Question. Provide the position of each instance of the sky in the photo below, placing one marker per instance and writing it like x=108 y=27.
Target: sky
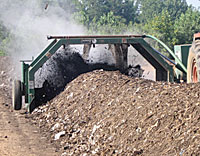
x=195 y=3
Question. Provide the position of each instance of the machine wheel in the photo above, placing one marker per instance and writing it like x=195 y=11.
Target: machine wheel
x=193 y=65
x=17 y=95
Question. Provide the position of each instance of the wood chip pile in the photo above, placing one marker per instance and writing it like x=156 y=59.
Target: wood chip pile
x=108 y=113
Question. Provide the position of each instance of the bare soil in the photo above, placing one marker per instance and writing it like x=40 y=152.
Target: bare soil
x=18 y=137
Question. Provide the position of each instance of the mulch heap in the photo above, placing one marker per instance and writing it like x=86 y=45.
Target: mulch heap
x=108 y=113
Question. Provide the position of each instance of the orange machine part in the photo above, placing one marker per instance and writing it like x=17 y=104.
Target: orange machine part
x=197 y=36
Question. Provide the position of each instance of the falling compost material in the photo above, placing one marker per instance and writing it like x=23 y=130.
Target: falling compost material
x=64 y=66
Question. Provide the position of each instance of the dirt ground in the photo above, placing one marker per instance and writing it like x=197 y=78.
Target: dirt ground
x=18 y=137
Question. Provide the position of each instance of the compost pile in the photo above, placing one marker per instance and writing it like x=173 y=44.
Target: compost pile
x=108 y=113
x=64 y=66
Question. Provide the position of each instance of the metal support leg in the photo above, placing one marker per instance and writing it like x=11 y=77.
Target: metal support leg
x=120 y=51
x=86 y=51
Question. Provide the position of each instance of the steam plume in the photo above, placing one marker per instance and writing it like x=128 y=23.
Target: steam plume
x=29 y=23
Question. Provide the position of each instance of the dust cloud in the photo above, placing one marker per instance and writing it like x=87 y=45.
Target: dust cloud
x=30 y=21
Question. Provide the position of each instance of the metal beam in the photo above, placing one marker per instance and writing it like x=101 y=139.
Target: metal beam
x=43 y=52
x=164 y=71
x=95 y=36
x=179 y=65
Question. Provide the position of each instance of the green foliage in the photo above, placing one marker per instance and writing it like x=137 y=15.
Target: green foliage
x=88 y=10
x=160 y=26
x=108 y=24
x=151 y=8
x=186 y=26
x=175 y=7
x=158 y=18
x=155 y=17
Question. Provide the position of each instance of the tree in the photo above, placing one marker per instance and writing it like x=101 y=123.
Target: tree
x=160 y=26
x=151 y=8
x=175 y=7
x=88 y=10
x=108 y=24
x=186 y=26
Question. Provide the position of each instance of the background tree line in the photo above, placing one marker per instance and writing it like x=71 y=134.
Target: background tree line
x=172 y=21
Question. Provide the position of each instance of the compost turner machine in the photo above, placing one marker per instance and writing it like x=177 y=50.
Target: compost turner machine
x=183 y=67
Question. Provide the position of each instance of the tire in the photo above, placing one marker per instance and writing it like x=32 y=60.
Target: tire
x=17 y=95
x=193 y=65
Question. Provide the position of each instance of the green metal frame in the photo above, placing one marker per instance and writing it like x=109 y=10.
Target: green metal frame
x=138 y=42
x=180 y=64
x=182 y=52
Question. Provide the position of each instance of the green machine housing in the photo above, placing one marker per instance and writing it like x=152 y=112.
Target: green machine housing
x=182 y=52
x=164 y=70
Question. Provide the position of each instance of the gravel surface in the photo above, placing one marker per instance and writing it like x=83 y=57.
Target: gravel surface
x=108 y=113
